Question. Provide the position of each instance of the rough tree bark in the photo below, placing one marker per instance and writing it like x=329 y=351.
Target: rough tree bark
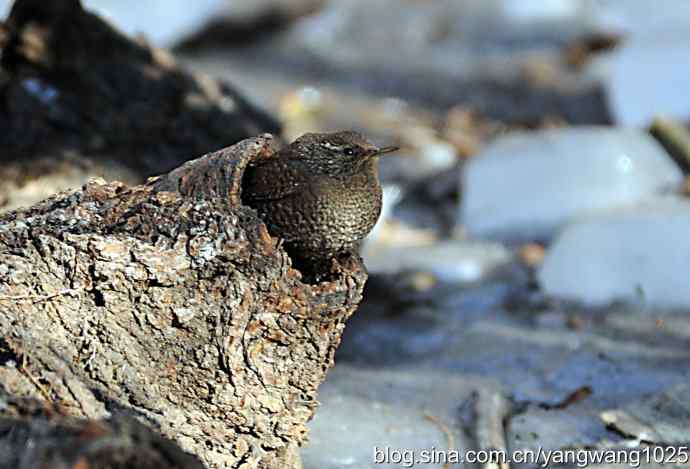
x=170 y=302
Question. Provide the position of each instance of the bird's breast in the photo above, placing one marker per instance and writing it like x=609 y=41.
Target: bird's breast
x=325 y=215
x=342 y=212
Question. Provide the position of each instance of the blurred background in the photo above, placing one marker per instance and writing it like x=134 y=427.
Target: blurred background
x=529 y=283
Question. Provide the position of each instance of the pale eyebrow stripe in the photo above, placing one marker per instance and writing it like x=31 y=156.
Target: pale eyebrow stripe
x=331 y=146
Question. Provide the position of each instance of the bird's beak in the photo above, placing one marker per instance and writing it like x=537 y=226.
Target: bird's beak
x=384 y=150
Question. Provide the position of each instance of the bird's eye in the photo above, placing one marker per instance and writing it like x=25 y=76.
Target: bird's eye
x=349 y=151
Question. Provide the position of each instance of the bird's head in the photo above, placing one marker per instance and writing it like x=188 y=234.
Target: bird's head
x=336 y=154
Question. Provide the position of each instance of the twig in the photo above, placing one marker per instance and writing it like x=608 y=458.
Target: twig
x=25 y=371
x=449 y=435
x=675 y=138
x=492 y=408
x=38 y=298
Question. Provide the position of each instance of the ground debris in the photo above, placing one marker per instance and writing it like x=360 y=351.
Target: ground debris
x=661 y=418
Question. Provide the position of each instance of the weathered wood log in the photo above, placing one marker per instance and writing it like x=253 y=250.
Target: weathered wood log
x=171 y=303
x=70 y=83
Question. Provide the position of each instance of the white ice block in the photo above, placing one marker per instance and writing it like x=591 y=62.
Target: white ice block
x=526 y=186
x=638 y=254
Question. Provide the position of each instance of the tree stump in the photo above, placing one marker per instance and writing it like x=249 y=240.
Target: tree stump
x=169 y=302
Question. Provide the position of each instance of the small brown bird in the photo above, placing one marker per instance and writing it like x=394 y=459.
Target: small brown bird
x=321 y=195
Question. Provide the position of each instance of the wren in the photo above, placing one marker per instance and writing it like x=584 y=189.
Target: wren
x=321 y=195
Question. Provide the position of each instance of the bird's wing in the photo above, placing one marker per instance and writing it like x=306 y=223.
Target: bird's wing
x=273 y=180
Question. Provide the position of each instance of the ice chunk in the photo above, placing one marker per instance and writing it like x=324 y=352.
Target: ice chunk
x=449 y=261
x=636 y=254
x=646 y=77
x=525 y=186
